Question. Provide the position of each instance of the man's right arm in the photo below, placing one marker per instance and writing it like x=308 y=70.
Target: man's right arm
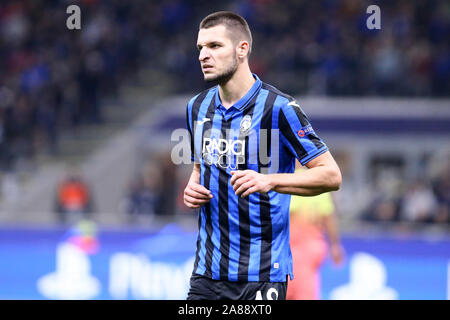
x=196 y=195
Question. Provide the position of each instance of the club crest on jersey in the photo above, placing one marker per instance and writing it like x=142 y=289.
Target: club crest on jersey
x=246 y=123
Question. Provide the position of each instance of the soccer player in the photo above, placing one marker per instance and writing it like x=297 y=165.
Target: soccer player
x=311 y=218
x=245 y=137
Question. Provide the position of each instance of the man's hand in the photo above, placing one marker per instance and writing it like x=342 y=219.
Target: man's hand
x=196 y=195
x=337 y=254
x=248 y=181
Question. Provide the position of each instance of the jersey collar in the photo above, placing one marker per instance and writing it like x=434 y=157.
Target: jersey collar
x=243 y=102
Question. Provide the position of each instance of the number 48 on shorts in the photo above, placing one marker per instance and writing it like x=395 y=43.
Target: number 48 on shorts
x=204 y=288
x=271 y=294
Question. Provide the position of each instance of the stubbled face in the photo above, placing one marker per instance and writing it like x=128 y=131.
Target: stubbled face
x=217 y=54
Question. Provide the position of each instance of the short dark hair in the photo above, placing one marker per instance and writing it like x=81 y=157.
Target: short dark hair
x=236 y=24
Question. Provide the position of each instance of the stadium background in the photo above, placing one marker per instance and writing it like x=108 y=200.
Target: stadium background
x=102 y=102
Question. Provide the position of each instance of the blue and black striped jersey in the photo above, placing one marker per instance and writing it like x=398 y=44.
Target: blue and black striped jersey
x=247 y=239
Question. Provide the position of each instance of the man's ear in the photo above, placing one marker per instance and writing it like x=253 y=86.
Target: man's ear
x=242 y=49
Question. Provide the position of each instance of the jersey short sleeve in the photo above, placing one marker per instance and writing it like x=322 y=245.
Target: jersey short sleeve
x=189 y=129
x=297 y=133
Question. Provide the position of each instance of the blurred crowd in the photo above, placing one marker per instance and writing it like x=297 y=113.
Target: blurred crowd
x=325 y=47
x=155 y=189
x=424 y=199
x=53 y=78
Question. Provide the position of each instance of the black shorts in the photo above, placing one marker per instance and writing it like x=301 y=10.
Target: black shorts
x=204 y=288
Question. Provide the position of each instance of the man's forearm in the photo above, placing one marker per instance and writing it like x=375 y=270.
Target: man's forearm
x=195 y=175
x=307 y=183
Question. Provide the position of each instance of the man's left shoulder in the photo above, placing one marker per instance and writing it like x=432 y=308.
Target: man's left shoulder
x=281 y=96
x=282 y=100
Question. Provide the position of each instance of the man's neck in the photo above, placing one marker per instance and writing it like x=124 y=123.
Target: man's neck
x=232 y=91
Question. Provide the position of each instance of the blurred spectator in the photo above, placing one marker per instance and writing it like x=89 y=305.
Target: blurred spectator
x=383 y=209
x=140 y=200
x=73 y=199
x=154 y=190
x=142 y=197
x=310 y=219
x=418 y=203
x=386 y=192
x=441 y=188
x=168 y=186
x=414 y=201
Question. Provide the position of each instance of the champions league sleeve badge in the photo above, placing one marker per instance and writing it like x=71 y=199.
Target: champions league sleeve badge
x=246 y=123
